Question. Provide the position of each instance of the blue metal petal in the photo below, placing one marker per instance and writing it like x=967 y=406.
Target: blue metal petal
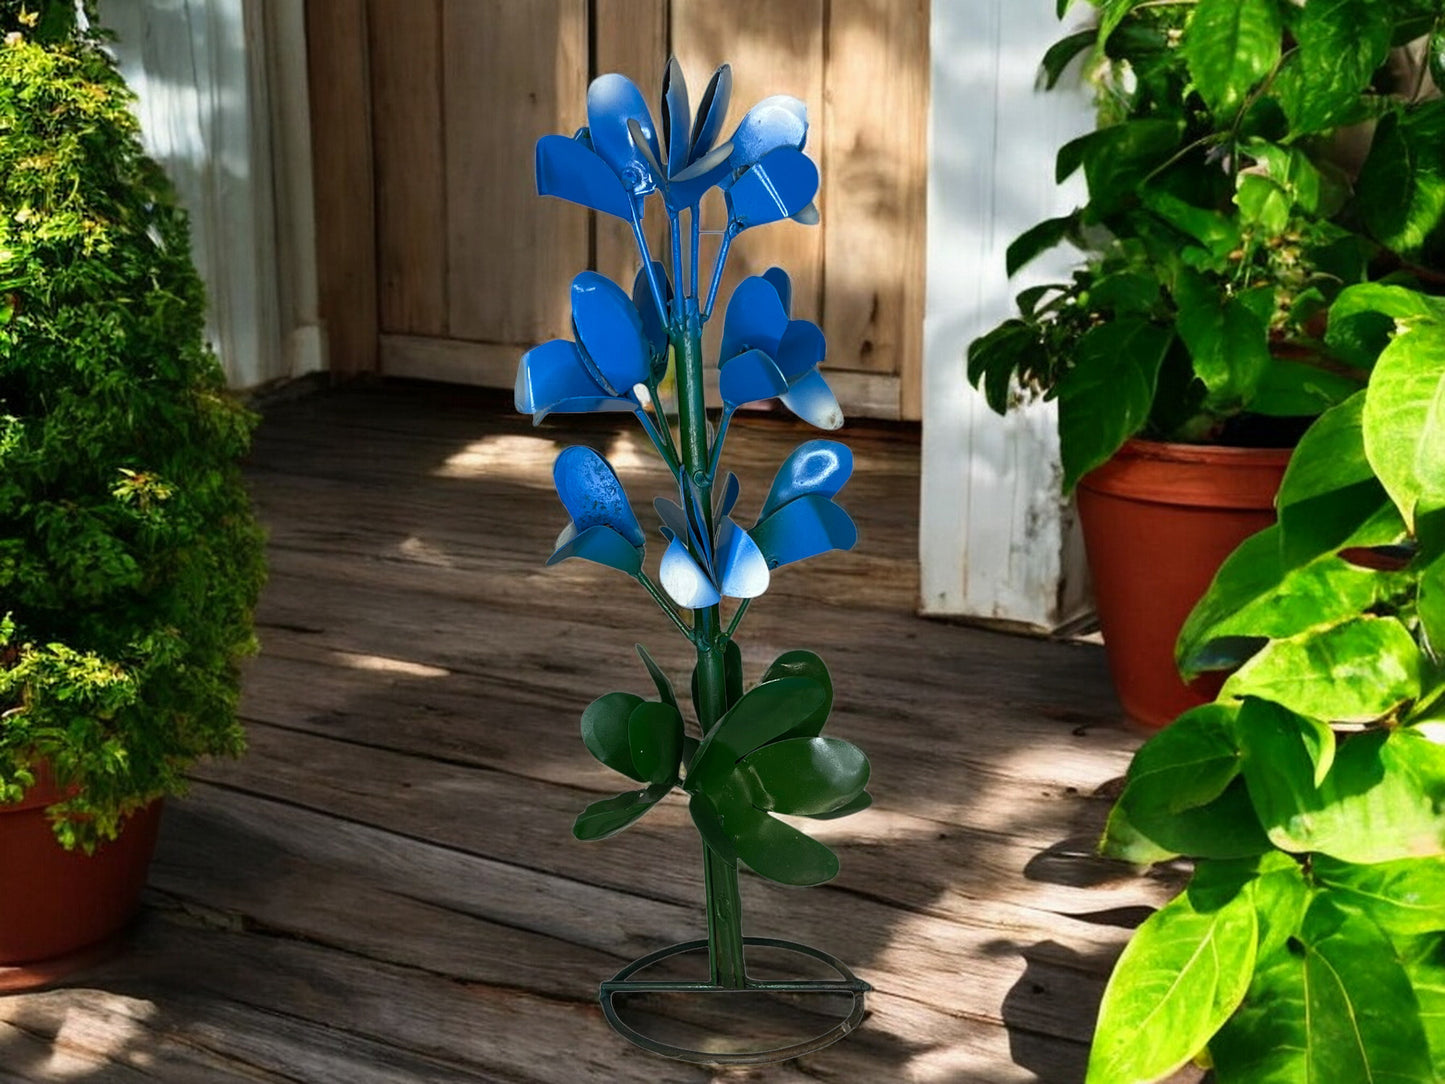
x=688 y=187
x=742 y=570
x=700 y=536
x=726 y=495
x=586 y=405
x=820 y=467
x=804 y=528
x=550 y=373
x=686 y=583
x=749 y=377
x=674 y=520
x=676 y=117
x=801 y=348
x=711 y=112
x=569 y=170
x=609 y=330
x=779 y=121
x=783 y=284
x=647 y=148
x=755 y=319
x=600 y=544
x=613 y=100
x=810 y=398
x=653 y=325
x=781 y=184
x=591 y=493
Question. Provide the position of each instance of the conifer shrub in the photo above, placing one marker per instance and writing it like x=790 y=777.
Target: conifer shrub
x=129 y=559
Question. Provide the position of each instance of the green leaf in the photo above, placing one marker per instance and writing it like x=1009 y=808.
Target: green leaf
x=805 y=776
x=1401 y=187
x=1297 y=389
x=1225 y=828
x=1036 y=239
x=764 y=713
x=1404 y=418
x=1227 y=343
x=1333 y=1005
x=1229 y=46
x=605 y=732
x=1430 y=605
x=732 y=678
x=1063 y=51
x=1187 y=764
x=1383 y=799
x=1406 y=896
x=805 y=664
x=995 y=357
x=1116 y=160
x=1111 y=14
x=1424 y=960
x=1341 y=44
x=609 y=816
x=654 y=734
x=1355 y=671
x=1215 y=231
x=771 y=848
x=1263 y=202
x=1180 y=977
x=1105 y=398
x=708 y=821
x=659 y=678
x=857 y=805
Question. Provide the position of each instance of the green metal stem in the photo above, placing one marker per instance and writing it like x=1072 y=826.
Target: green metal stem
x=724 y=902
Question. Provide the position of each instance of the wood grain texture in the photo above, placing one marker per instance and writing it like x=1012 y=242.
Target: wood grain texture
x=385 y=888
x=511 y=74
x=875 y=129
x=409 y=142
x=341 y=149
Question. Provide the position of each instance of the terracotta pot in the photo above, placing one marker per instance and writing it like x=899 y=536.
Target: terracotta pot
x=58 y=908
x=1159 y=520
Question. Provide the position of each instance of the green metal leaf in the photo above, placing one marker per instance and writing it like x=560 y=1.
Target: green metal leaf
x=773 y=849
x=1105 y=398
x=1403 y=427
x=1406 y=896
x=1180 y=977
x=805 y=664
x=732 y=677
x=805 y=776
x=1333 y=1004
x=1229 y=46
x=764 y=713
x=609 y=816
x=1355 y=671
x=708 y=821
x=605 y=732
x=1383 y=799
x=659 y=678
x=654 y=734
x=857 y=805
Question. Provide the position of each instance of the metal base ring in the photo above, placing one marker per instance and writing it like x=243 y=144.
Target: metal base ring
x=847 y=983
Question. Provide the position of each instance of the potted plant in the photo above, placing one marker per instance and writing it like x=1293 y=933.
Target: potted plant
x=748 y=753
x=1310 y=942
x=129 y=558
x=1252 y=160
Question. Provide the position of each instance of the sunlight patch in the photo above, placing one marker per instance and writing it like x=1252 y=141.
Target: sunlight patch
x=505 y=455
x=386 y=665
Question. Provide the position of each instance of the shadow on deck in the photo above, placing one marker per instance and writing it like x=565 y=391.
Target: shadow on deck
x=386 y=888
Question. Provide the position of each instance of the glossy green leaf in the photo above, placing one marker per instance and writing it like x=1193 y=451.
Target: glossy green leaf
x=1355 y=671
x=1225 y=828
x=805 y=664
x=659 y=678
x=773 y=849
x=1263 y=202
x=605 y=732
x=1217 y=232
x=609 y=816
x=1227 y=343
x=1118 y=158
x=732 y=678
x=1293 y=389
x=1062 y=52
x=857 y=805
x=1340 y=44
x=1383 y=799
x=1187 y=764
x=1424 y=961
x=1105 y=398
x=1335 y=1004
x=1404 y=418
x=1282 y=895
x=708 y=821
x=1037 y=239
x=1401 y=186
x=805 y=776
x=764 y=713
x=654 y=735
x=1229 y=46
x=1180 y=977
x=1430 y=606
x=994 y=358
x=1111 y=14
x=690 y=746
x=1406 y=896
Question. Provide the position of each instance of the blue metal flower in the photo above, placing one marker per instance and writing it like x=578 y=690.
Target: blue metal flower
x=603 y=528
x=613 y=353
x=764 y=353
x=700 y=566
x=799 y=519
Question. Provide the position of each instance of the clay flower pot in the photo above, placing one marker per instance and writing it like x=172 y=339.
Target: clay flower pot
x=1159 y=519
x=59 y=908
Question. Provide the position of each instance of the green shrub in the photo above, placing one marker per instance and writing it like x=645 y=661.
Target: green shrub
x=129 y=559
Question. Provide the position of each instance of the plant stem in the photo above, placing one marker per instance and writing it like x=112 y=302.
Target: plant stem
x=717 y=271
x=720 y=876
x=664 y=605
x=737 y=618
x=663 y=449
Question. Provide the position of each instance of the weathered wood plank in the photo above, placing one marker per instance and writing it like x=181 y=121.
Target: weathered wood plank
x=411 y=198
x=512 y=73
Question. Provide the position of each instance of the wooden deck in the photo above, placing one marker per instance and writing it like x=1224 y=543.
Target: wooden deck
x=386 y=889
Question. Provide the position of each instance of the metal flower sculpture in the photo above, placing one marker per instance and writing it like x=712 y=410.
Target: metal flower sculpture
x=758 y=752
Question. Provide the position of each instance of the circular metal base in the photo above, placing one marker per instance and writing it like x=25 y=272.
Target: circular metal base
x=847 y=983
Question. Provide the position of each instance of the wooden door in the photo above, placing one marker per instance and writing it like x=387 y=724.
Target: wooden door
x=437 y=259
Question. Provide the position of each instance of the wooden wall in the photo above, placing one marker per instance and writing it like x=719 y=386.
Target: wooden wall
x=438 y=260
